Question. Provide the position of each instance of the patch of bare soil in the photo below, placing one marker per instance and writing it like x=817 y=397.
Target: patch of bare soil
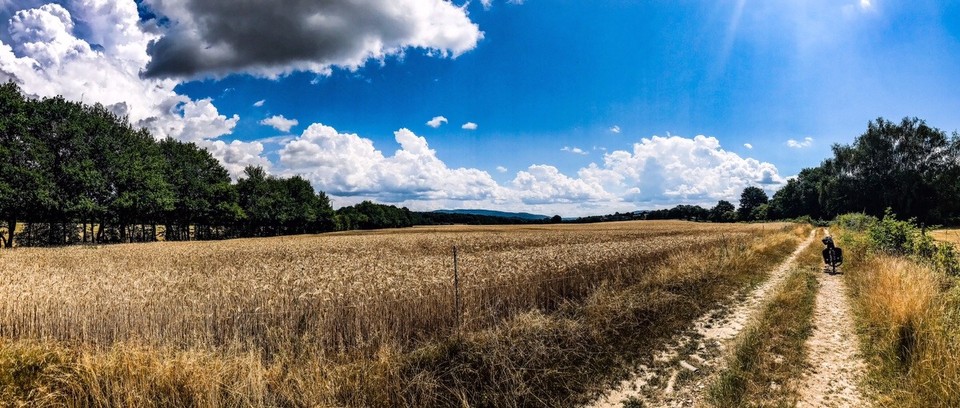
x=835 y=367
x=678 y=375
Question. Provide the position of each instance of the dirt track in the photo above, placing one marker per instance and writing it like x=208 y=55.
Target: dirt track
x=835 y=369
x=681 y=373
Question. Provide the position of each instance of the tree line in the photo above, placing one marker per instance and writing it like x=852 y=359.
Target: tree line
x=79 y=173
x=76 y=173
x=909 y=167
x=754 y=206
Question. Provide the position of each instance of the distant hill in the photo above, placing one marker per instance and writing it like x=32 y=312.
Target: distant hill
x=500 y=214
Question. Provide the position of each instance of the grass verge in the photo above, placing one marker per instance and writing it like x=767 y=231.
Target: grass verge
x=770 y=353
x=909 y=322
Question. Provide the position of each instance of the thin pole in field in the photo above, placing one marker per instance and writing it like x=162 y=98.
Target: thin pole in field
x=456 y=291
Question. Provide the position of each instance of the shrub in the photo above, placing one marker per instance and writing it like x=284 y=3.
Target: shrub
x=896 y=237
x=804 y=219
x=945 y=259
x=893 y=236
x=858 y=222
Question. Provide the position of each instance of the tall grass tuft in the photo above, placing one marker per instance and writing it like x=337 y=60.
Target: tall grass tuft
x=910 y=323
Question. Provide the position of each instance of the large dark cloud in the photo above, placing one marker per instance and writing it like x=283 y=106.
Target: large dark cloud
x=219 y=37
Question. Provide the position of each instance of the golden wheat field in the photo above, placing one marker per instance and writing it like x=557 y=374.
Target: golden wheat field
x=337 y=292
x=544 y=314
x=947 y=235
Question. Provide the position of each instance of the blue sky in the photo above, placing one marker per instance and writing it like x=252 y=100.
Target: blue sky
x=579 y=107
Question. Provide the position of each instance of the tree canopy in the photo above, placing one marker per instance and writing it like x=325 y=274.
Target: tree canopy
x=910 y=167
x=74 y=172
x=752 y=201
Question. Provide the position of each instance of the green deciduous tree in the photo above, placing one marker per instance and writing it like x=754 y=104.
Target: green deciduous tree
x=750 y=200
x=24 y=185
x=275 y=206
x=202 y=194
x=724 y=211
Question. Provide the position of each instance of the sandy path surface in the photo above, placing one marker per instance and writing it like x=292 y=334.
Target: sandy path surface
x=835 y=367
x=679 y=374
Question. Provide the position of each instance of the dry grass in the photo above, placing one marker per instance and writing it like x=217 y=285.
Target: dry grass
x=910 y=323
x=360 y=318
x=770 y=354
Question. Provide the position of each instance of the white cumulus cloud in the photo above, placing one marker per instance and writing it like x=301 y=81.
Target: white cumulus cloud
x=806 y=142
x=615 y=129
x=193 y=121
x=259 y=103
x=487 y=4
x=237 y=155
x=348 y=165
x=280 y=123
x=748 y=146
x=676 y=169
x=657 y=171
x=543 y=184
x=574 y=150
x=469 y=126
x=436 y=121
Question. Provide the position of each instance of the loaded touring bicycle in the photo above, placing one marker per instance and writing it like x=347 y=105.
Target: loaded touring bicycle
x=832 y=256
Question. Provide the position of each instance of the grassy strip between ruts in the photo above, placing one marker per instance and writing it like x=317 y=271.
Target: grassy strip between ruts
x=770 y=354
x=908 y=319
x=533 y=359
